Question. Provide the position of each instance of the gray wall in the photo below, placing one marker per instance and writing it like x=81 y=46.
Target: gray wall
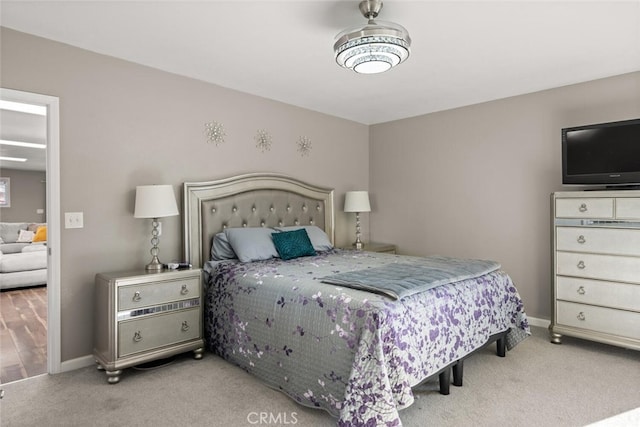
x=28 y=194
x=476 y=181
x=123 y=125
x=472 y=182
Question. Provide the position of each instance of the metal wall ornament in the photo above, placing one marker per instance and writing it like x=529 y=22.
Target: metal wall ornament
x=304 y=145
x=215 y=132
x=263 y=140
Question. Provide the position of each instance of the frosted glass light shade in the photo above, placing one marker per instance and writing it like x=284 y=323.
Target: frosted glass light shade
x=375 y=47
x=155 y=201
x=372 y=49
x=357 y=201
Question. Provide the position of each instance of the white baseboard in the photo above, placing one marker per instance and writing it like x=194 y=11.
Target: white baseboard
x=77 y=363
x=542 y=323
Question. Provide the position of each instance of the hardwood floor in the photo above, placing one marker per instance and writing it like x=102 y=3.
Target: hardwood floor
x=23 y=333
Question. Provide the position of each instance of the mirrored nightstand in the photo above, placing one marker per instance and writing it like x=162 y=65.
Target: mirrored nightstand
x=375 y=247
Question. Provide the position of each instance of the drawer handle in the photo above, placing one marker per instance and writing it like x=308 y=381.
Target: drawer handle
x=581 y=265
x=184 y=290
x=581 y=239
x=581 y=316
x=583 y=207
x=581 y=290
x=137 y=336
x=185 y=326
x=136 y=296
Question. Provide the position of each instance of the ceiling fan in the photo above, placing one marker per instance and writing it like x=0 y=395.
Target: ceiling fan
x=375 y=47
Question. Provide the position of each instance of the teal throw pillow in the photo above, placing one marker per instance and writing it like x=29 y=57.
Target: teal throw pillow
x=293 y=244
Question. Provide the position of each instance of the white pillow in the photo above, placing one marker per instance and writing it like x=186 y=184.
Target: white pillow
x=319 y=238
x=252 y=244
x=25 y=236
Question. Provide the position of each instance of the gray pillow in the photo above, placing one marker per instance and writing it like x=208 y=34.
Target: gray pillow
x=319 y=238
x=252 y=243
x=221 y=248
x=9 y=231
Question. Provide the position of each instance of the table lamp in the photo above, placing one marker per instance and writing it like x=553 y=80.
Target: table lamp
x=155 y=201
x=357 y=201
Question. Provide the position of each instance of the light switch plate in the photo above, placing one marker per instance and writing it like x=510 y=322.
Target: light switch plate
x=73 y=220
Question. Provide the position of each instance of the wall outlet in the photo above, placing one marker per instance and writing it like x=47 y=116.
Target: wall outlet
x=73 y=220
x=39 y=211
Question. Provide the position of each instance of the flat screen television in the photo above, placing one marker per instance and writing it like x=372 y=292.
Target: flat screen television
x=602 y=154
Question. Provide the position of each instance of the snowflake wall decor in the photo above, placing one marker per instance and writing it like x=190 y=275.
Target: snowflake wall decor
x=263 y=140
x=215 y=132
x=304 y=145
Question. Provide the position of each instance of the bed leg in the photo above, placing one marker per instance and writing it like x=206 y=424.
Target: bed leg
x=458 y=370
x=501 y=346
x=445 y=379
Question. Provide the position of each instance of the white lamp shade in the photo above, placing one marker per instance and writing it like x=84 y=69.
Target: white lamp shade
x=357 y=201
x=155 y=201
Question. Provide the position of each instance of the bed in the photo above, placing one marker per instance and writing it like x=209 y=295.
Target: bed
x=358 y=353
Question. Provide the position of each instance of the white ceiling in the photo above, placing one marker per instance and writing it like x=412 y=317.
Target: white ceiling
x=23 y=127
x=463 y=52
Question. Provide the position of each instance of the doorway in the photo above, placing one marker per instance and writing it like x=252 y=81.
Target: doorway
x=52 y=184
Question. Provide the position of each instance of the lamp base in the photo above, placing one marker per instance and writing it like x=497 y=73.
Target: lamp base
x=358 y=244
x=154 y=266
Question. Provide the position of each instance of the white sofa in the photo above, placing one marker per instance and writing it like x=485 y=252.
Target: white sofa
x=21 y=264
x=23 y=268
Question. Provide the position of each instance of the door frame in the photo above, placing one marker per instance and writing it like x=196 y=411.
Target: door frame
x=53 y=218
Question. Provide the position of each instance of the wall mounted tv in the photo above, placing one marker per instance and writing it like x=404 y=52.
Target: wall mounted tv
x=602 y=154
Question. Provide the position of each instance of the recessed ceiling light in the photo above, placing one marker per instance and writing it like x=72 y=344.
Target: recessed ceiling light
x=13 y=159
x=22 y=144
x=23 y=108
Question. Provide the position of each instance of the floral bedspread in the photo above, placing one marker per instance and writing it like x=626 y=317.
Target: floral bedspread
x=350 y=352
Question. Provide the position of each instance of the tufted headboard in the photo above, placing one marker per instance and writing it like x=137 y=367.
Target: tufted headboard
x=251 y=200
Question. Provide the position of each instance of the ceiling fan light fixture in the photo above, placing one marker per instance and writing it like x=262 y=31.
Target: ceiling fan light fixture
x=374 y=48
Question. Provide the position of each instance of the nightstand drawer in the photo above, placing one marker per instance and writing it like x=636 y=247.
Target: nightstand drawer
x=143 y=295
x=144 y=334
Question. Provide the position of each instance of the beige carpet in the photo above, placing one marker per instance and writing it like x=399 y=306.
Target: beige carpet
x=537 y=384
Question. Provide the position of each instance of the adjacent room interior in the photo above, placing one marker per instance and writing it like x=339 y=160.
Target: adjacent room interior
x=23 y=258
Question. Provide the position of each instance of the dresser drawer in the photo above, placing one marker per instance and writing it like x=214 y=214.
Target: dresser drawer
x=628 y=208
x=613 y=241
x=584 y=208
x=604 y=267
x=143 y=295
x=151 y=332
x=606 y=320
x=607 y=294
